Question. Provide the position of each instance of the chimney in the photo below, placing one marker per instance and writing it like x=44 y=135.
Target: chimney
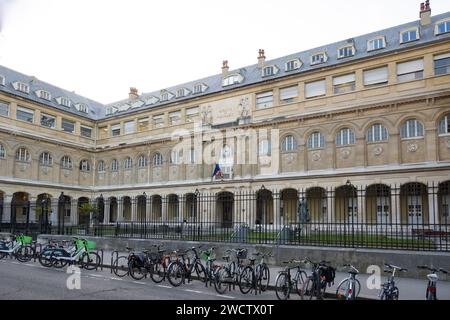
x=133 y=93
x=425 y=13
x=225 y=68
x=261 y=58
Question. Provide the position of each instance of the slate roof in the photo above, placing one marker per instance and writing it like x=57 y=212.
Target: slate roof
x=252 y=74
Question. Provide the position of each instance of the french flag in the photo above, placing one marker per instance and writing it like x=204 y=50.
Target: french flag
x=217 y=172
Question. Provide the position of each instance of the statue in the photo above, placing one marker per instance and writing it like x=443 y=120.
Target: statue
x=244 y=107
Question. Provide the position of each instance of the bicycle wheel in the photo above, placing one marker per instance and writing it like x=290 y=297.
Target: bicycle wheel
x=246 y=280
x=312 y=290
x=263 y=277
x=44 y=259
x=2 y=255
x=175 y=273
x=200 y=271
x=300 y=281
x=282 y=288
x=57 y=263
x=307 y=289
x=158 y=272
x=222 y=280
x=24 y=253
x=120 y=266
x=136 y=271
x=90 y=261
x=342 y=291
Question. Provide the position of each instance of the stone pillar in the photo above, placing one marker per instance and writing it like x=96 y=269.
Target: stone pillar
x=32 y=215
x=330 y=208
x=395 y=204
x=120 y=209
x=148 y=208
x=278 y=222
x=106 y=212
x=134 y=204
x=7 y=209
x=53 y=218
x=181 y=204
x=165 y=204
x=73 y=212
x=361 y=206
x=433 y=205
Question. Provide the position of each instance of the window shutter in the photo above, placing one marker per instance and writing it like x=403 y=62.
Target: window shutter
x=442 y=56
x=344 y=79
x=375 y=76
x=410 y=67
x=288 y=93
x=314 y=89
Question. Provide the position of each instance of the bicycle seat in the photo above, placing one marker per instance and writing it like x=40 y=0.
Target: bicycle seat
x=251 y=260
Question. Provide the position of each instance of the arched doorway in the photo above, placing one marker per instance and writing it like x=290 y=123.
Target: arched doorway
x=444 y=202
x=264 y=207
x=191 y=207
x=126 y=208
x=20 y=208
x=100 y=210
x=378 y=204
x=141 y=208
x=316 y=200
x=225 y=205
x=156 y=208
x=113 y=209
x=346 y=206
x=414 y=203
x=289 y=205
x=43 y=210
x=172 y=207
x=84 y=217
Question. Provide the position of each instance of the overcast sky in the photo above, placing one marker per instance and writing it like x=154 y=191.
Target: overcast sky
x=100 y=48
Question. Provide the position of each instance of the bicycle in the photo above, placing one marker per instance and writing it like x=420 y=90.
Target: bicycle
x=228 y=274
x=285 y=283
x=120 y=265
x=316 y=283
x=83 y=255
x=19 y=247
x=389 y=290
x=255 y=277
x=349 y=288
x=431 y=293
x=210 y=267
x=45 y=253
x=180 y=269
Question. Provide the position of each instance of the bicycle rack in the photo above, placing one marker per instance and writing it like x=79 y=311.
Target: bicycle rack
x=101 y=260
x=36 y=254
x=114 y=254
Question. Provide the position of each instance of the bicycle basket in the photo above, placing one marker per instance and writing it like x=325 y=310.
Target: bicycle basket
x=242 y=254
x=25 y=239
x=90 y=245
x=204 y=255
x=79 y=244
x=329 y=273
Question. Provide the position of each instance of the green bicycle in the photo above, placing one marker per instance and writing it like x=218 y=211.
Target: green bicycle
x=19 y=247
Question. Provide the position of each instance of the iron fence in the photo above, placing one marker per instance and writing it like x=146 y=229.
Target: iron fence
x=414 y=216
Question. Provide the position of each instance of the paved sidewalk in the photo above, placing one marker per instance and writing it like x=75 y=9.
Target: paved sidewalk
x=410 y=289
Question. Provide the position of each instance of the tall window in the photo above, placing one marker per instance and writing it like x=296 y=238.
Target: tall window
x=128 y=163
x=226 y=161
x=411 y=70
x=2 y=152
x=289 y=144
x=316 y=141
x=25 y=114
x=175 y=156
x=345 y=137
x=4 y=109
x=114 y=165
x=377 y=76
x=441 y=64
x=85 y=165
x=129 y=127
x=376 y=44
x=22 y=154
x=264 y=100
x=377 y=133
x=411 y=129
x=191 y=114
x=444 y=125
x=343 y=84
x=174 y=117
x=191 y=156
x=142 y=161
x=409 y=35
x=46 y=159
x=158 y=121
x=264 y=147
x=157 y=159
x=66 y=162
x=101 y=166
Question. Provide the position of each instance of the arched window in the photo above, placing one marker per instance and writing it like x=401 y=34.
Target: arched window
x=191 y=156
x=444 y=125
x=85 y=165
x=46 y=159
x=142 y=161
x=114 y=165
x=22 y=154
x=157 y=159
x=2 y=152
x=316 y=141
x=264 y=147
x=175 y=156
x=289 y=144
x=345 y=137
x=377 y=133
x=66 y=162
x=128 y=163
x=411 y=129
x=101 y=166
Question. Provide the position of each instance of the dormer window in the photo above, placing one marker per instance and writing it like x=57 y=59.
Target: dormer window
x=64 y=101
x=442 y=27
x=151 y=100
x=409 y=35
x=269 y=71
x=319 y=58
x=198 y=88
x=110 y=110
x=232 y=79
x=165 y=97
x=180 y=93
x=44 y=95
x=345 y=52
x=82 y=107
x=376 y=44
x=22 y=87
x=293 y=65
x=2 y=80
